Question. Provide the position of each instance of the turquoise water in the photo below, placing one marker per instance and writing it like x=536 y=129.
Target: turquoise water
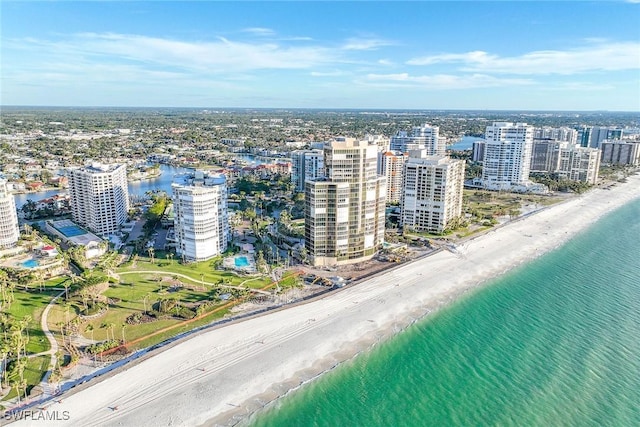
x=555 y=342
x=241 y=261
x=31 y=263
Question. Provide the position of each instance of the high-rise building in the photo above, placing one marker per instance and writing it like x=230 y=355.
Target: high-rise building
x=391 y=166
x=345 y=210
x=432 y=195
x=477 y=153
x=562 y=134
x=99 y=196
x=306 y=164
x=578 y=164
x=507 y=156
x=567 y=161
x=545 y=155
x=594 y=136
x=9 y=231
x=621 y=153
x=201 y=219
x=421 y=137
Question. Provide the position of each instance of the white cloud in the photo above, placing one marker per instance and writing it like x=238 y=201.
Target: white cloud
x=594 y=57
x=220 y=56
x=365 y=43
x=327 y=73
x=443 y=81
x=259 y=31
x=475 y=56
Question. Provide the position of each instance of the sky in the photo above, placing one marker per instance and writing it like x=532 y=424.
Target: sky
x=516 y=55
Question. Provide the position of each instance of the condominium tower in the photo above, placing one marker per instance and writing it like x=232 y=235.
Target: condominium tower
x=9 y=231
x=391 y=166
x=421 y=137
x=201 y=220
x=99 y=196
x=344 y=211
x=507 y=156
x=432 y=195
x=305 y=164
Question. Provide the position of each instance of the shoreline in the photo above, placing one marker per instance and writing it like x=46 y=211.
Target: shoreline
x=223 y=376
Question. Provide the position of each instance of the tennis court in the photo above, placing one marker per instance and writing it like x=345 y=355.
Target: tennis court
x=71 y=230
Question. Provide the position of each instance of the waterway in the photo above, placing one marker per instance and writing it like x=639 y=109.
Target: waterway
x=139 y=188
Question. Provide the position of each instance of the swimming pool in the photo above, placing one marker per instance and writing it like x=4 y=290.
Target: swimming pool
x=30 y=263
x=241 y=261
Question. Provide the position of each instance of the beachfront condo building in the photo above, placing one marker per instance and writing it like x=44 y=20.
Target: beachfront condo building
x=565 y=160
x=545 y=155
x=507 y=157
x=9 y=231
x=391 y=166
x=99 y=197
x=423 y=137
x=621 y=153
x=201 y=219
x=432 y=196
x=345 y=210
x=579 y=164
x=306 y=164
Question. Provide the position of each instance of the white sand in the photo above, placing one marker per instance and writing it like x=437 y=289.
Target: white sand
x=223 y=375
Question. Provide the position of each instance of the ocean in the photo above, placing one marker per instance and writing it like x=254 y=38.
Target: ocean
x=555 y=342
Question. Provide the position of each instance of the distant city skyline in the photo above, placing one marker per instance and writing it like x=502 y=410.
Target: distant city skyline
x=354 y=55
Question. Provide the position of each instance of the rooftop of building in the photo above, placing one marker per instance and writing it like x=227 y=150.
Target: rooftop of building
x=199 y=178
x=96 y=167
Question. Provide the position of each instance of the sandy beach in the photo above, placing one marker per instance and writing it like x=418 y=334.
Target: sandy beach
x=222 y=376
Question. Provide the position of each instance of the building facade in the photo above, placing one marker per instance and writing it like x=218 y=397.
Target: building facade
x=621 y=153
x=345 y=210
x=477 y=151
x=579 y=164
x=545 y=155
x=99 y=197
x=201 y=218
x=421 y=137
x=432 y=195
x=507 y=156
x=305 y=164
x=391 y=166
x=9 y=231
x=562 y=134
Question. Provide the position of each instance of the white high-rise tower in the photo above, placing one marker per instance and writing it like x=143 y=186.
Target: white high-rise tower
x=99 y=197
x=201 y=219
x=507 y=156
x=9 y=231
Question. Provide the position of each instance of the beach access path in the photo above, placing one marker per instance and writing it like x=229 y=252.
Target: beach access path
x=222 y=376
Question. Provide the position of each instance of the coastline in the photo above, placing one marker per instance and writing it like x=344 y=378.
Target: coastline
x=223 y=376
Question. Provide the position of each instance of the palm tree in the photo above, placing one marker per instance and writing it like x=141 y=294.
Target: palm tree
x=124 y=325
x=151 y=252
x=89 y=328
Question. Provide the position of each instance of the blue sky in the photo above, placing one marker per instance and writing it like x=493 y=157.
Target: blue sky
x=407 y=55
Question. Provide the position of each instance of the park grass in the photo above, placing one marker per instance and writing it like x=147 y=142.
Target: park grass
x=197 y=271
x=129 y=299
x=32 y=304
x=33 y=372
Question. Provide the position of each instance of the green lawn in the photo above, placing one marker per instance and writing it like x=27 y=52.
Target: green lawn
x=130 y=297
x=36 y=367
x=32 y=304
x=196 y=271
